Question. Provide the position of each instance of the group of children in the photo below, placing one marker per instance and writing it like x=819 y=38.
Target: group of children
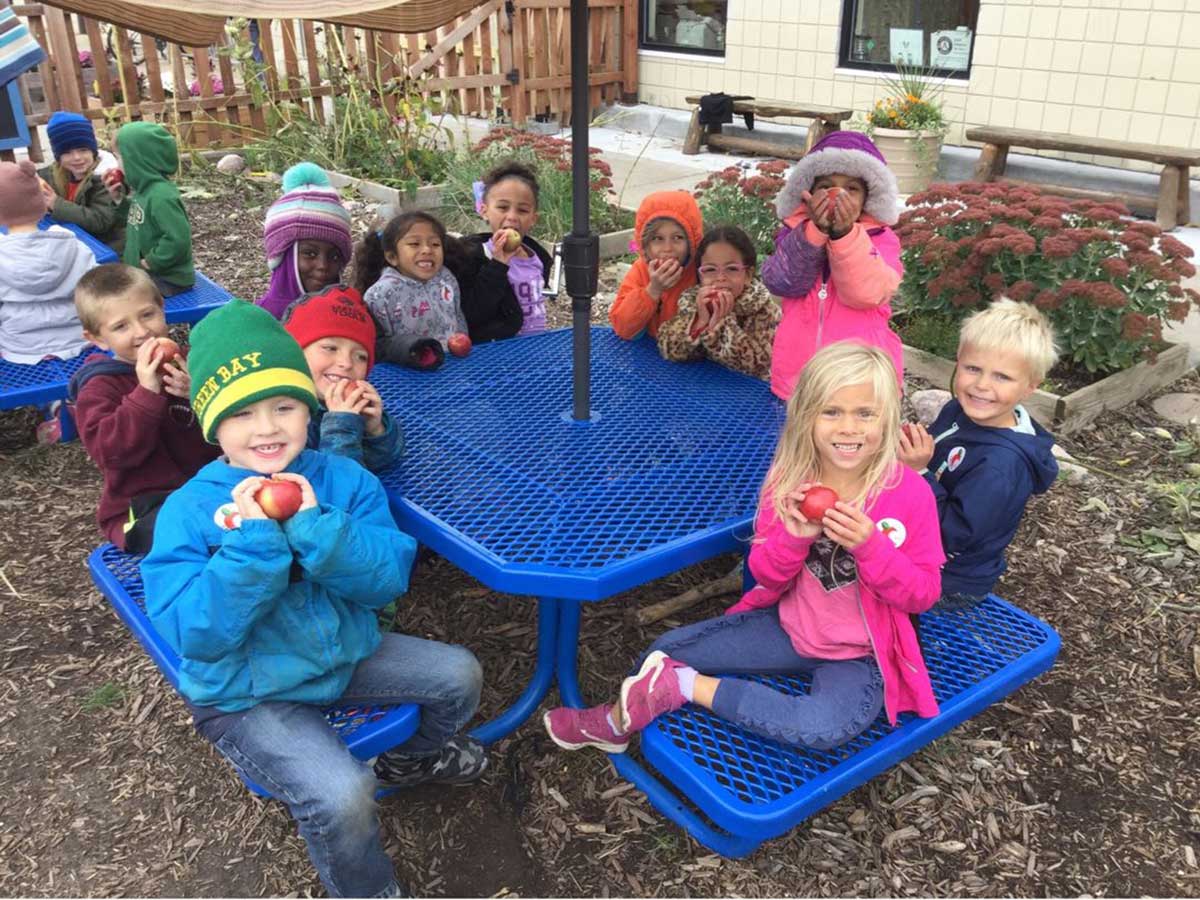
x=273 y=620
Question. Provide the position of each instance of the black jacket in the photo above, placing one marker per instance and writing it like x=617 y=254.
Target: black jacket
x=488 y=302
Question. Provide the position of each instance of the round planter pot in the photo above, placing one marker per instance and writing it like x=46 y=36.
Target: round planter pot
x=911 y=155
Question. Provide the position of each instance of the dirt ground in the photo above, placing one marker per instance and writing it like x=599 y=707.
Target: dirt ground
x=1084 y=782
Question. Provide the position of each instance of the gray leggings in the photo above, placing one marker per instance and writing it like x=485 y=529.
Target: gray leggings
x=845 y=697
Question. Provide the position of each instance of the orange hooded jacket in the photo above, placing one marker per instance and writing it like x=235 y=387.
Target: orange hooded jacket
x=635 y=311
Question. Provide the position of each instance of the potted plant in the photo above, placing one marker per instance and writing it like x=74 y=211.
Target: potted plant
x=1107 y=282
x=908 y=126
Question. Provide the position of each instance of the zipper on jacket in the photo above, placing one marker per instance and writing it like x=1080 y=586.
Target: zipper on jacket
x=822 y=293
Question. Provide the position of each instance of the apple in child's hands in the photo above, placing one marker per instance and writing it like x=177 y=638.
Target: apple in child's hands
x=170 y=351
x=817 y=501
x=279 y=499
x=114 y=177
x=459 y=344
x=426 y=357
x=512 y=240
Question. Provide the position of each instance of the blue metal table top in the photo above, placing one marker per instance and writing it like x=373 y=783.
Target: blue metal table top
x=101 y=250
x=501 y=481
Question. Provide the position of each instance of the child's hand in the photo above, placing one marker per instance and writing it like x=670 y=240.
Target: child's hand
x=722 y=305
x=499 y=251
x=372 y=413
x=916 y=446
x=176 y=379
x=818 y=209
x=664 y=274
x=48 y=194
x=114 y=181
x=308 y=499
x=793 y=520
x=703 y=313
x=842 y=215
x=149 y=355
x=848 y=525
x=243 y=497
x=341 y=398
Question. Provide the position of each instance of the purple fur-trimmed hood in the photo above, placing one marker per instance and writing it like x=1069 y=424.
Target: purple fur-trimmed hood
x=844 y=153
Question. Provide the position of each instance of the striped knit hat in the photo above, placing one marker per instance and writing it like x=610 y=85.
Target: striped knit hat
x=310 y=209
x=69 y=131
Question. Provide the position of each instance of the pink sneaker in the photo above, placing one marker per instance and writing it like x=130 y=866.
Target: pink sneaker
x=574 y=729
x=654 y=690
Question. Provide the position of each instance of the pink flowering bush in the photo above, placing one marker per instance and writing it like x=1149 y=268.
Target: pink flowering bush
x=550 y=158
x=744 y=197
x=1107 y=282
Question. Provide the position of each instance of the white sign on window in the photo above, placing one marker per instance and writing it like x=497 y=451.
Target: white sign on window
x=907 y=46
x=950 y=49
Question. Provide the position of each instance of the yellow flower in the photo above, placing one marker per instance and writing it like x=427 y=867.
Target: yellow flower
x=913 y=99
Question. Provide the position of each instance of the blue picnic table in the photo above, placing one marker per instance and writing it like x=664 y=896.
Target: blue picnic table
x=500 y=480
x=101 y=250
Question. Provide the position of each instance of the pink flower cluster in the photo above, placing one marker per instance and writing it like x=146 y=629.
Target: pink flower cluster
x=763 y=184
x=549 y=151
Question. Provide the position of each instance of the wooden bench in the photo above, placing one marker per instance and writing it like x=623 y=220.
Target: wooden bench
x=1172 y=207
x=824 y=120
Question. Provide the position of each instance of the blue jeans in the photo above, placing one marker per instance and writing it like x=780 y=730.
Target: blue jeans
x=290 y=750
x=845 y=697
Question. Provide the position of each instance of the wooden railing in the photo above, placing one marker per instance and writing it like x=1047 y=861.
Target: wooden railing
x=507 y=59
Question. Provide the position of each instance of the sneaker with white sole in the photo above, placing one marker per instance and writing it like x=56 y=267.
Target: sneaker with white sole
x=574 y=729
x=653 y=691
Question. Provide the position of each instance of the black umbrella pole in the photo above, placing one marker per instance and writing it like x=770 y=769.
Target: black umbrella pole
x=581 y=248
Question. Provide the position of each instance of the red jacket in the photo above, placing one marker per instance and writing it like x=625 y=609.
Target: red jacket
x=141 y=441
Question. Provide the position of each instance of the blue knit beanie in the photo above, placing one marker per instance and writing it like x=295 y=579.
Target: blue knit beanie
x=69 y=131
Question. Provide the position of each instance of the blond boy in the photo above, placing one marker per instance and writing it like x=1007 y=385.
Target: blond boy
x=986 y=455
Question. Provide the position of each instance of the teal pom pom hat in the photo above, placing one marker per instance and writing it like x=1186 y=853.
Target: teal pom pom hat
x=310 y=209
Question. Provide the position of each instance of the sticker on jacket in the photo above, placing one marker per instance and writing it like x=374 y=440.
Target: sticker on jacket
x=893 y=530
x=831 y=564
x=227 y=517
x=955 y=457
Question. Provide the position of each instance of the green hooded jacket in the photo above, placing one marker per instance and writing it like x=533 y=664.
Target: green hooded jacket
x=158 y=230
x=93 y=208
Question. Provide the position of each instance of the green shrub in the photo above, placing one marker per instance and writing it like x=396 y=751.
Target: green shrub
x=745 y=198
x=550 y=159
x=1107 y=283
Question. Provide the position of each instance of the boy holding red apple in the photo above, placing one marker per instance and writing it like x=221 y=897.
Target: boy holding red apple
x=131 y=408
x=274 y=618
x=337 y=334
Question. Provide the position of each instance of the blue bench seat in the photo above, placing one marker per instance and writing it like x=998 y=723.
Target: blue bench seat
x=367 y=730
x=753 y=789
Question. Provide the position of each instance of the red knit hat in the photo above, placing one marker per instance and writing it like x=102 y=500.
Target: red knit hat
x=335 y=311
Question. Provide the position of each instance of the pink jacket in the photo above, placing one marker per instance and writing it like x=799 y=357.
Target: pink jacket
x=899 y=573
x=832 y=291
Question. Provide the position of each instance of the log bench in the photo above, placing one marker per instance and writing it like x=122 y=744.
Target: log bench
x=1170 y=208
x=824 y=120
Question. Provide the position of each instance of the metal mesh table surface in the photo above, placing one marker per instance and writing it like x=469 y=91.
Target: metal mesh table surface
x=498 y=477
x=45 y=382
x=367 y=730
x=101 y=250
x=754 y=786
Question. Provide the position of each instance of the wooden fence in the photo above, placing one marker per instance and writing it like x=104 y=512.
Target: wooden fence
x=507 y=59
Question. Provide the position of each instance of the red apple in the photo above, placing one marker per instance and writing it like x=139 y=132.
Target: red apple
x=817 y=502
x=114 y=177
x=279 y=499
x=170 y=350
x=459 y=344
x=426 y=357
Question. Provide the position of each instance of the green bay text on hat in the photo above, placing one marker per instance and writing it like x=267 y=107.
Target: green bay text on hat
x=240 y=354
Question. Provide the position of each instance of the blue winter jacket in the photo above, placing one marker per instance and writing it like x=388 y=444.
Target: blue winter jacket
x=263 y=610
x=981 y=478
x=343 y=433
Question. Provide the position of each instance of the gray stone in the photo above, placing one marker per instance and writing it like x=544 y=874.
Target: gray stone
x=1178 y=408
x=928 y=403
x=231 y=164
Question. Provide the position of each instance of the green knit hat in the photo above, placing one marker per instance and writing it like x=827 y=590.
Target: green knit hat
x=240 y=354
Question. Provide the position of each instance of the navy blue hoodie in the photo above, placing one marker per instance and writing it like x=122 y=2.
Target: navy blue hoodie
x=981 y=478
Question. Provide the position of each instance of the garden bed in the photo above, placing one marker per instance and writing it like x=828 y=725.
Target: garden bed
x=1066 y=413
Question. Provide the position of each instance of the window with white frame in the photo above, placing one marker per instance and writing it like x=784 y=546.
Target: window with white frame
x=685 y=26
x=929 y=34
